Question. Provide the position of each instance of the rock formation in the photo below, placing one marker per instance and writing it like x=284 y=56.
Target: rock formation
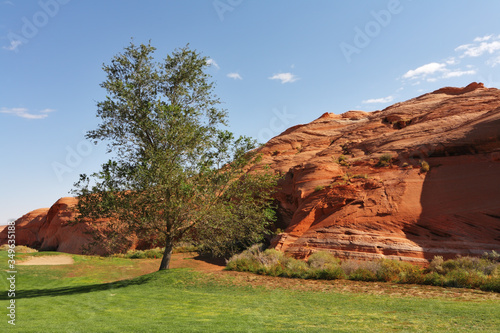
x=357 y=184
x=341 y=194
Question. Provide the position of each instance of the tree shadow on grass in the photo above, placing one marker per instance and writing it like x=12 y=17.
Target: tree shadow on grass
x=216 y=261
x=32 y=293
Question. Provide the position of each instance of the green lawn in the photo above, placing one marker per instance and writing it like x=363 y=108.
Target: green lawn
x=80 y=298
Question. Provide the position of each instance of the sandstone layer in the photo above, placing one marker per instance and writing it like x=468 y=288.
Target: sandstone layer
x=356 y=207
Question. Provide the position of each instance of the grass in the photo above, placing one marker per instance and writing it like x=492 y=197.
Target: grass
x=81 y=298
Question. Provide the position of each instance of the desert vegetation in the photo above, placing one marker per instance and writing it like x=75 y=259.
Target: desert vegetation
x=465 y=272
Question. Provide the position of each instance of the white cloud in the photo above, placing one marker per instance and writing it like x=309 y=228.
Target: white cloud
x=284 y=77
x=483 y=39
x=493 y=61
x=457 y=73
x=235 y=76
x=424 y=70
x=13 y=45
x=451 y=61
x=379 y=100
x=23 y=113
x=473 y=50
x=211 y=62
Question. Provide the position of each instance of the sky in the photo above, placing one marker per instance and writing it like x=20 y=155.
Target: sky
x=275 y=64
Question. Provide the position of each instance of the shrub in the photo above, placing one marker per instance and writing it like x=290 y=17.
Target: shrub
x=18 y=248
x=329 y=273
x=399 y=271
x=363 y=274
x=491 y=284
x=493 y=256
x=296 y=269
x=322 y=260
x=319 y=188
x=424 y=166
x=342 y=160
x=384 y=160
x=462 y=278
x=350 y=266
x=436 y=265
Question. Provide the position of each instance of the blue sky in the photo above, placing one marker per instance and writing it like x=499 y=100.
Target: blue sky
x=276 y=64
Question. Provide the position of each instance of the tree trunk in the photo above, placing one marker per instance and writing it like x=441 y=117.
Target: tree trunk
x=167 y=254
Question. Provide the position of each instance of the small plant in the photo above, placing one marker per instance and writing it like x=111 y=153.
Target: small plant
x=319 y=188
x=322 y=260
x=342 y=160
x=493 y=256
x=363 y=176
x=424 y=166
x=18 y=249
x=299 y=149
x=345 y=148
x=384 y=160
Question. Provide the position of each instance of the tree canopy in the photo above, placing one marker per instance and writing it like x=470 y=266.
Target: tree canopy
x=175 y=173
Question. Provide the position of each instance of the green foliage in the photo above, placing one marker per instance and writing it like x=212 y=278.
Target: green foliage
x=322 y=260
x=342 y=160
x=176 y=175
x=319 y=188
x=424 y=166
x=384 y=160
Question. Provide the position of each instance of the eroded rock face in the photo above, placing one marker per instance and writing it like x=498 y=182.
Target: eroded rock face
x=359 y=209
x=49 y=229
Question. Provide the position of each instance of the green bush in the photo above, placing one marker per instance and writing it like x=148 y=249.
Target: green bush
x=398 y=271
x=322 y=260
x=319 y=188
x=363 y=274
x=342 y=160
x=331 y=272
x=384 y=160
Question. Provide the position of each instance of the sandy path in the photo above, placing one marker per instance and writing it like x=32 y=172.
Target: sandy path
x=48 y=260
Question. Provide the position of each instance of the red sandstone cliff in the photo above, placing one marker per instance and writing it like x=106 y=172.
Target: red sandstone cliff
x=356 y=209
x=361 y=210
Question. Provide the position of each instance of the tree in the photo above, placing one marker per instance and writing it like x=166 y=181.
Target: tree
x=175 y=174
